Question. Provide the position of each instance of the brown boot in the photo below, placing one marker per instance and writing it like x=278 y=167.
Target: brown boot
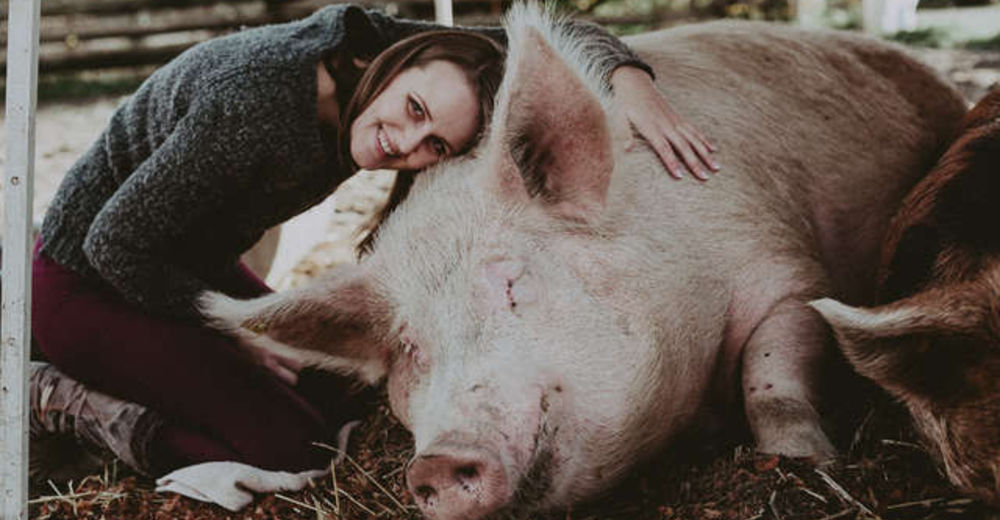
x=64 y=412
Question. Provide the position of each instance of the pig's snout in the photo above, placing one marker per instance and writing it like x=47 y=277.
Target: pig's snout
x=458 y=482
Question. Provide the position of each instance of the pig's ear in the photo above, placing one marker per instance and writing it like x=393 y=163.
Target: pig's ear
x=953 y=207
x=337 y=323
x=917 y=346
x=552 y=142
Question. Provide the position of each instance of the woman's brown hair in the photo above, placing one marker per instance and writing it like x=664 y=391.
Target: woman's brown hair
x=479 y=57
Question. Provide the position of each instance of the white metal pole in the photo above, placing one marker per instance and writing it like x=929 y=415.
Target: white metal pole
x=15 y=331
x=872 y=16
x=809 y=13
x=443 y=13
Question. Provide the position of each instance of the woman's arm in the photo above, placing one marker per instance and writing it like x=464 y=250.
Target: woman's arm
x=680 y=145
x=186 y=183
x=608 y=51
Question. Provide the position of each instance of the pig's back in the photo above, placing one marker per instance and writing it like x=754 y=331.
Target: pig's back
x=820 y=135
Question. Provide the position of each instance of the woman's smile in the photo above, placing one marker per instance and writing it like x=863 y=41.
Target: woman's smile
x=425 y=114
x=384 y=144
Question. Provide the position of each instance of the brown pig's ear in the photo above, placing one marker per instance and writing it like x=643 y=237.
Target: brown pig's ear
x=338 y=323
x=919 y=346
x=951 y=213
x=552 y=142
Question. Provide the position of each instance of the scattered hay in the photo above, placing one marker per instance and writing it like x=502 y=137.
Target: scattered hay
x=885 y=475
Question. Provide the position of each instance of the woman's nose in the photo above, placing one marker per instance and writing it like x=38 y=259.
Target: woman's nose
x=411 y=139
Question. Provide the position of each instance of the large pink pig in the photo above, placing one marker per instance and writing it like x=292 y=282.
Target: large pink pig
x=553 y=307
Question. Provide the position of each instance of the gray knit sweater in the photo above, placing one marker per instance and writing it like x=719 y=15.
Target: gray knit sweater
x=212 y=150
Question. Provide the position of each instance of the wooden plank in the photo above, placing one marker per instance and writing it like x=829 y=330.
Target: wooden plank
x=139 y=55
x=85 y=56
x=74 y=29
x=129 y=57
x=215 y=22
x=87 y=26
x=57 y=7
x=53 y=7
x=15 y=330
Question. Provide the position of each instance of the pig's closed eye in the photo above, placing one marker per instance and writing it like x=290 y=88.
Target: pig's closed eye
x=508 y=287
x=521 y=294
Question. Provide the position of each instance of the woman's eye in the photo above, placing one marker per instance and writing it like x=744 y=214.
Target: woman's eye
x=416 y=108
x=439 y=147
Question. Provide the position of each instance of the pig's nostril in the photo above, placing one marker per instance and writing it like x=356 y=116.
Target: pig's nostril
x=426 y=494
x=457 y=482
x=466 y=474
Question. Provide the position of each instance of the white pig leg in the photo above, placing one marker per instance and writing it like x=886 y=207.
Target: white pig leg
x=781 y=363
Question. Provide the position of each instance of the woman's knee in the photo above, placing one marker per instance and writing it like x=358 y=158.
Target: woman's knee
x=292 y=449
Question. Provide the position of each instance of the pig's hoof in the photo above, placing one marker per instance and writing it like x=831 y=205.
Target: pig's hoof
x=813 y=447
x=791 y=428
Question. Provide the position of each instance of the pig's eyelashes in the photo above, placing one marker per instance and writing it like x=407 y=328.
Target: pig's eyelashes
x=411 y=350
x=408 y=347
x=414 y=355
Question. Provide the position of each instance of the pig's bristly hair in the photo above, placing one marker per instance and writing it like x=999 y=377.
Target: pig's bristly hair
x=450 y=200
x=567 y=39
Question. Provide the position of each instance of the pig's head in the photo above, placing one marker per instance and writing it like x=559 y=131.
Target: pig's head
x=938 y=351
x=490 y=304
x=937 y=346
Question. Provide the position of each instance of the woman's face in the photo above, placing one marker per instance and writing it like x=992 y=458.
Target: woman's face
x=425 y=114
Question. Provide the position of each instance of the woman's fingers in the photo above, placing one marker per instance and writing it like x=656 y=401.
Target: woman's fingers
x=669 y=159
x=283 y=372
x=285 y=367
x=701 y=148
x=683 y=147
x=701 y=138
x=680 y=146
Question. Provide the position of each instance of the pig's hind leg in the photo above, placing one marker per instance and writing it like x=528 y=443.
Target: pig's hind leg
x=781 y=366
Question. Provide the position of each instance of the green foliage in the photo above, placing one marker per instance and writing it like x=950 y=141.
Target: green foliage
x=991 y=44
x=50 y=89
x=936 y=4
x=753 y=9
x=843 y=14
x=931 y=37
x=744 y=9
x=686 y=10
x=62 y=87
x=635 y=28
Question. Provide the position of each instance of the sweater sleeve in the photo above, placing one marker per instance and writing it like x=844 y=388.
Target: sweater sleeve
x=609 y=51
x=186 y=180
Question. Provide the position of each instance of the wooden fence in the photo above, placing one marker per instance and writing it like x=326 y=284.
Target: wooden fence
x=94 y=34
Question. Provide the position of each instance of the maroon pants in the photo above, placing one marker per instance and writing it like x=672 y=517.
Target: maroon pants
x=218 y=404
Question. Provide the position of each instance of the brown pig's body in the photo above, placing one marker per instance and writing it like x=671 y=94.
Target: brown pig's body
x=935 y=343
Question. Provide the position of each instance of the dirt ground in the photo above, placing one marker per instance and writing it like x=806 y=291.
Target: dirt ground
x=884 y=473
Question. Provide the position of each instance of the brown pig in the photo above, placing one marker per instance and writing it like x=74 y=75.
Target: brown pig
x=553 y=307
x=936 y=346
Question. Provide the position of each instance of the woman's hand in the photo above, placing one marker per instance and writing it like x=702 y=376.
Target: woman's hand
x=668 y=133
x=286 y=368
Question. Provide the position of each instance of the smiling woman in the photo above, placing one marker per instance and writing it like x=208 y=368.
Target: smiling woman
x=422 y=114
x=234 y=136
x=401 y=131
